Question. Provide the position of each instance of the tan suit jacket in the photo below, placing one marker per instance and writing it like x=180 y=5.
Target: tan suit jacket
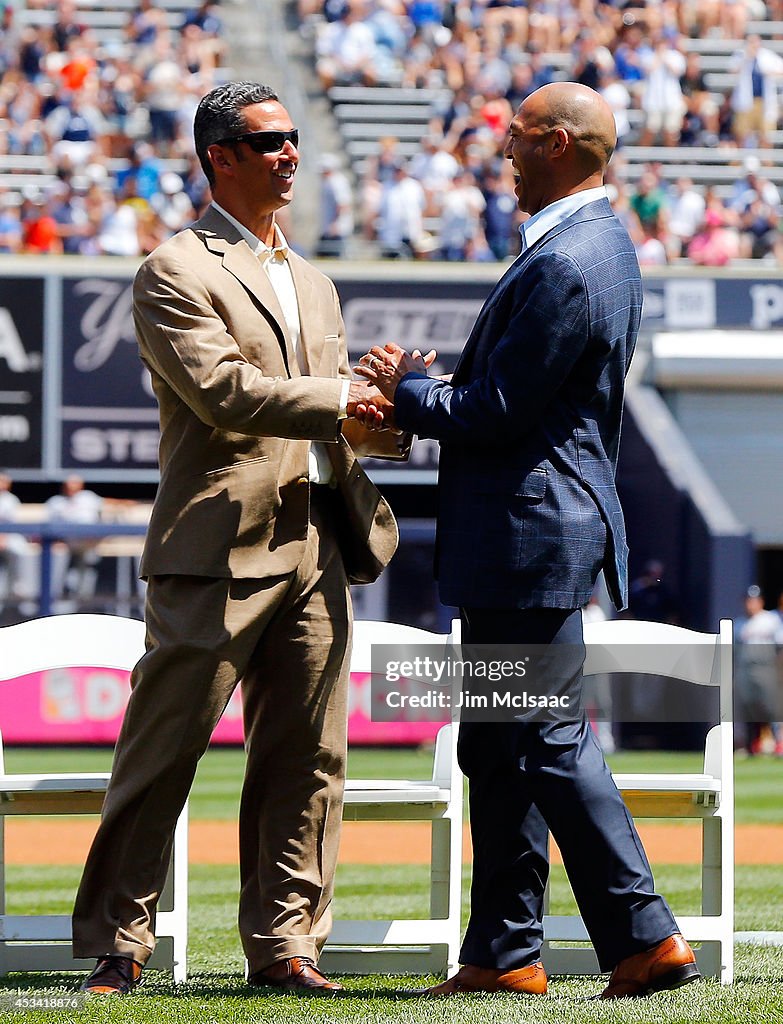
x=237 y=416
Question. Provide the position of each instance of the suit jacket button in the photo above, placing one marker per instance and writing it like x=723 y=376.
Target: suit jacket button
x=303 y=480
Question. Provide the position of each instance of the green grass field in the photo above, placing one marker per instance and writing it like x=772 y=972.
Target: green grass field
x=215 y=991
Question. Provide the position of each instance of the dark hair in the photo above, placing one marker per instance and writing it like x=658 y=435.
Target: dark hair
x=220 y=115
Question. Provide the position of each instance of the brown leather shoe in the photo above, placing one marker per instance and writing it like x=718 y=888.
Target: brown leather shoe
x=299 y=974
x=670 y=964
x=113 y=976
x=523 y=981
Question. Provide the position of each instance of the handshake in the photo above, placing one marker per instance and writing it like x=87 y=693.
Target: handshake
x=372 y=403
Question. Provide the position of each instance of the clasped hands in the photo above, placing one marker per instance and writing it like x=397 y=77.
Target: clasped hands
x=372 y=403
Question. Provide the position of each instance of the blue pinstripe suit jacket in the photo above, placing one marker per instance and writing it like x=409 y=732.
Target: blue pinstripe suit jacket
x=529 y=426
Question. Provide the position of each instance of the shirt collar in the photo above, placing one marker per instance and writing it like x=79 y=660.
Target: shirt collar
x=551 y=216
x=279 y=252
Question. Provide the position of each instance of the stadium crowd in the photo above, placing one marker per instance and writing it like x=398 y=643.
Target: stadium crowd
x=110 y=116
x=453 y=199
x=104 y=114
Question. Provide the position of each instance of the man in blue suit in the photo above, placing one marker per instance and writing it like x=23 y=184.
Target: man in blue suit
x=529 y=427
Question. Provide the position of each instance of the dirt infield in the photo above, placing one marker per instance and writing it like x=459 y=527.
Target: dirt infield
x=215 y=842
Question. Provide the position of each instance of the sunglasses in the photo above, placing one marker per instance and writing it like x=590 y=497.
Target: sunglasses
x=265 y=142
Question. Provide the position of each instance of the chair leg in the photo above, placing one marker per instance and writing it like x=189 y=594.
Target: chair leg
x=446 y=880
x=716 y=959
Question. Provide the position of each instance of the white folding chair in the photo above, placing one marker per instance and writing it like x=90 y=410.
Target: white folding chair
x=415 y=946
x=42 y=942
x=626 y=646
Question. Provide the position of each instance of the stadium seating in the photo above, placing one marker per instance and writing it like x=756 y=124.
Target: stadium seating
x=42 y=942
x=626 y=646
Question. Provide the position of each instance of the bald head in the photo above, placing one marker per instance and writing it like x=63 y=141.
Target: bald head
x=559 y=142
x=583 y=113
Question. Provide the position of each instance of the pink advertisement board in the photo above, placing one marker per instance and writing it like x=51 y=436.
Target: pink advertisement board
x=84 y=706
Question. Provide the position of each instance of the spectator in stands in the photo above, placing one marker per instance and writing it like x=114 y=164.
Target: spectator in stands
x=22 y=110
x=700 y=123
x=10 y=223
x=400 y=217
x=40 y=234
x=146 y=23
x=460 y=220
x=546 y=20
x=617 y=96
x=379 y=172
x=205 y=17
x=591 y=61
x=752 y=186
x=78 y=65
x=435 y=168
x=336 y=208
x=617 y=193
x=143 y=167
x=77 y=126
x=755 y=96
x=662 y=100
x=97 y=205
x=32 y=49
x=500 y=212
x=758 y=224
x=648 y=202
x=630 y=57
x=497 y=113
x=541 y=72
x=686 y=215
x=120 y=231
x=492 y=77
x=651 y=250
x=387 y=20
x=716 y=245
x=727 y=18
x=521 y=84
x=70 y=214
x=346 y=49
x=9 y=40
x=66 y=28
x=164 y=95
x=172 y=205
x=504 y=21
x=196 y=185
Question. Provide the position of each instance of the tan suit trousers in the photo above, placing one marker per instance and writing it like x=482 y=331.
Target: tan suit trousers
x=287 y=640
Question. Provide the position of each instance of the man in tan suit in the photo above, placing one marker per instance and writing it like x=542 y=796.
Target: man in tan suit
x=263 y=518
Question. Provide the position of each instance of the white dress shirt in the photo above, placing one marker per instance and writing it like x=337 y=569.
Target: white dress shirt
x=274 y=260
x=551 y=216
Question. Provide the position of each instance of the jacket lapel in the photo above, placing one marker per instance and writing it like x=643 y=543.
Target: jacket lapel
x=224 y=240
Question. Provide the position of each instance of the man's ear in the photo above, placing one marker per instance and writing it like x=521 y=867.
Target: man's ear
x=559 y=142
x=219 y=159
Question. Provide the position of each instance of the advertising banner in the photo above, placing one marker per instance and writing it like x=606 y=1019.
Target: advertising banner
x=101 y=415
x=108 y=413
x=85 y=706
x=21 y=371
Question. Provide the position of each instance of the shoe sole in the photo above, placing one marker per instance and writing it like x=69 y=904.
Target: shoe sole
x=680 y=976
x=297 y=990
